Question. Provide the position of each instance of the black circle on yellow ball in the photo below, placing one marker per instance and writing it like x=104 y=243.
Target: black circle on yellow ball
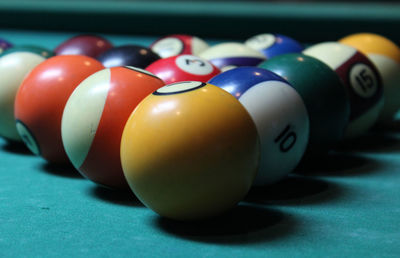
x=179 y=87
x=323 y=93
x=27 y=137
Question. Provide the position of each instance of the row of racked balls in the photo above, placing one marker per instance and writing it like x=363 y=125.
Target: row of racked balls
x=190 y=149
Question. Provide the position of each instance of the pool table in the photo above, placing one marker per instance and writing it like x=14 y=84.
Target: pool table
x=345 y=205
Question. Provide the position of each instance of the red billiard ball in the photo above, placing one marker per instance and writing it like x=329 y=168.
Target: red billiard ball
x=178 y=44
x=41 y=98
x=183 y=68
x=94 y=118
x=128 y=55
x=87 y=45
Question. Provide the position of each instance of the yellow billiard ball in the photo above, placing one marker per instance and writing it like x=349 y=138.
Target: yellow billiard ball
x=385 y=55
x=190 y=151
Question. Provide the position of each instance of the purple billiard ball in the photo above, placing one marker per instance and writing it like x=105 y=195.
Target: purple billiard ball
x=4 y=44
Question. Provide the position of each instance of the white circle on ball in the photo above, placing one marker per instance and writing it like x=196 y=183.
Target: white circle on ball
x=168 y=47
x=27 y=138
x=180 y=87
x=363 y=80
x=194 y=65
x=262 y=41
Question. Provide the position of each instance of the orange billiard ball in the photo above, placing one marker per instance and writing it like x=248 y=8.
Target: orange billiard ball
x=40 y=102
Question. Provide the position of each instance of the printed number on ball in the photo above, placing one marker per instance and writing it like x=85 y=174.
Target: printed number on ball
x=194 y=65
x=286 y=139
x=363 y=80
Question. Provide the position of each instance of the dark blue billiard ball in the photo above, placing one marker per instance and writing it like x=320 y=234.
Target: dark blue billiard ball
x=128 y=55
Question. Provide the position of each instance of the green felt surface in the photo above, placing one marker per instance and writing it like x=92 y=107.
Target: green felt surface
x=347 y=206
